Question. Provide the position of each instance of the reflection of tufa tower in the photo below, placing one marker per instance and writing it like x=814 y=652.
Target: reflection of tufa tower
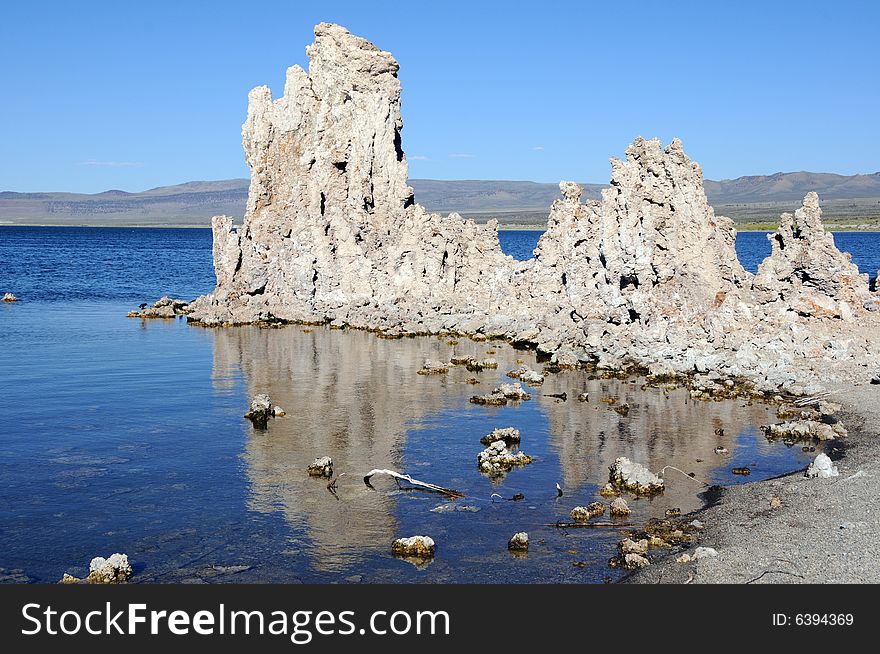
x=354 y=396
x=658 y=431
x=347 y=395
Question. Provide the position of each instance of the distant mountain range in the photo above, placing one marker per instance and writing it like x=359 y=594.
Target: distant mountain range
x=746 y=199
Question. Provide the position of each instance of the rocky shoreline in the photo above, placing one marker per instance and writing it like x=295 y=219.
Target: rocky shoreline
x=793 y=529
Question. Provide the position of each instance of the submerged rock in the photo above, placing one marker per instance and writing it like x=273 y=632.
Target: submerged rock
x=608 y=490
x=527 y=375
x=113 y=570
x=584 y=513
x=501 y=395
x=622 y=409
x=260 y=410
x=476 y=366
x=434 y=367
x=512 y=392
x=9 y=297
x=821 y=467
x=497 y=459
x=619 y=508
x=634 y=477
x=519 y=542
x=321 y=467
x=165 y=307
x=421 y=547
x=506 y=434
x=492 y=399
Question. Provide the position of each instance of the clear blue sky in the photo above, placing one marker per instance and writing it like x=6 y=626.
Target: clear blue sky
x=135 y=95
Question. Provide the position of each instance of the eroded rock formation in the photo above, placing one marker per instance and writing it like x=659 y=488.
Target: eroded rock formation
x=646 y=276
x=331 y=230
x=806 y=273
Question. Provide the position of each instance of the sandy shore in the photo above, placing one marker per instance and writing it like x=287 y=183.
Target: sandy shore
x=824 y=531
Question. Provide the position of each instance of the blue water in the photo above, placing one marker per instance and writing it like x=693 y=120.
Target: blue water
x=127 y=435
x=751 y=247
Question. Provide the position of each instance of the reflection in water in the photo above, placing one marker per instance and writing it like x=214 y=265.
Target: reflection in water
x=358 y=398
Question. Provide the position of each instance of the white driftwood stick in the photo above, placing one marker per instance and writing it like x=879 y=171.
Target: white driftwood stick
x=414 y=482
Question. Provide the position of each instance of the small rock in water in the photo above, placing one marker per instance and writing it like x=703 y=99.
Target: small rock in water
x=434 y=367
x=874 y=380
x=527 y=375
x=506 y=434
x=165 y=307
x=584 y=397
x=512 y=392
x=671 y=513
x=260 y=411
x=821 y=467
x=9 y=297
x=608 y=490
x=497 y=459
x=634 y=477
x=415 y=546
x=519 y=542
x=321 y=467
x=113 y=570
x=584 y=513
x=278 y=412
x=619 y=507
x=741 y=471
x=622 y=409
x=720 y=450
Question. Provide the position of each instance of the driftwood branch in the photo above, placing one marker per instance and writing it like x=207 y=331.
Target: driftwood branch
x=774 y=572
x=398 y=477
x=589 y=525
x=813 y=399
x=332 y=486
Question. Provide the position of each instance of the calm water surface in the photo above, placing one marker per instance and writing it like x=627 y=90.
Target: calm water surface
x=127 y=435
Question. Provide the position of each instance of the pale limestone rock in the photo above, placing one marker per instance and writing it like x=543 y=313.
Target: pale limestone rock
x=414 y=546
x=634 y=477
x=629 y=546
x=584 y=513
x=260 y=410
x=619 y=507
x=113 y=570
x=647 y=276
x=821 y=467
x=804 y=429
x=519 y=542
x=806 y=273
x=704 y=553
x=497 y=459
x=321 y=467
x=505 y=434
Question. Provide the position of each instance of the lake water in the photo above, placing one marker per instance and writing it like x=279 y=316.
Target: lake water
x=127 y=435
